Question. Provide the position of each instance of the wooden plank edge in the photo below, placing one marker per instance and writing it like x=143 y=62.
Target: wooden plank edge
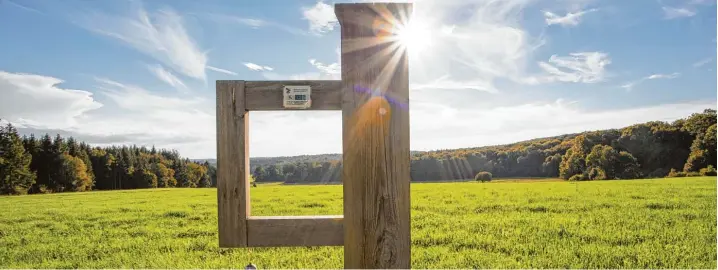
x=295 y=231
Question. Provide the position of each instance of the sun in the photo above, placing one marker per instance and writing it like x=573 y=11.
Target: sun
x=416 y=36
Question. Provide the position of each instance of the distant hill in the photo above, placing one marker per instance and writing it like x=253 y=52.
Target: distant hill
x=652 y=149
x=266 y=161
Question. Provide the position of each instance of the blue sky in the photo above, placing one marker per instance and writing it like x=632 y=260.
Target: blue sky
x=481 y=72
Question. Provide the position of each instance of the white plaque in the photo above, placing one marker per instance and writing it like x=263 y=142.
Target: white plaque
x=297 y=96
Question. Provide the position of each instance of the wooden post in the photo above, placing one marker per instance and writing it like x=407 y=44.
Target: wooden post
x=232 y=164
x=375 y=109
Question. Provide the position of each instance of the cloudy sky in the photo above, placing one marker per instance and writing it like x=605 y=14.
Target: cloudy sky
x=487 y=72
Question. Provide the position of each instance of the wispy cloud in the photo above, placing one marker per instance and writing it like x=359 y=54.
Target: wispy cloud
x=26 y=8
x=254 y=23
x=674 y=13
x=446 y=83
x=702 y=62
x=580 y=67
x=570 y=19
x=630 y=85
x=255 y=67
x=222 y=70
x=299 y=76
x=161 y=36
x=134 y=97
x=663 y=76
x=321 y=18
x=167 y=77
x=686 y=9
x=333 y=69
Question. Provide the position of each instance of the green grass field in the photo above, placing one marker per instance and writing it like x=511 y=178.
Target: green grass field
x=661 y=223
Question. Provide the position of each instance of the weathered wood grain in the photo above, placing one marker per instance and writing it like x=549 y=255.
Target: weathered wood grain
x=232 y=164
x=375 y=139
x=268 y=95
x=290 y=231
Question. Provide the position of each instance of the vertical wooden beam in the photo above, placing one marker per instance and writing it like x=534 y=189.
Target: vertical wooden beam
x=232 y=164
x=375 y=111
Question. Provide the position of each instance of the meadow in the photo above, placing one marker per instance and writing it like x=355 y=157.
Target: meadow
x=657 y=223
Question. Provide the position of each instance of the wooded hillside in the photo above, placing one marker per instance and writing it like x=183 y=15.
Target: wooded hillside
x=646 y=150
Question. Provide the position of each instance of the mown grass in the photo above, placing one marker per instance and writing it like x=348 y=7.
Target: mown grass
x=661 y=223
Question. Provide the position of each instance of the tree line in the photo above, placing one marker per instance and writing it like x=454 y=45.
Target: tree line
x=44 y=165
x=654 y=149
x=647 y=150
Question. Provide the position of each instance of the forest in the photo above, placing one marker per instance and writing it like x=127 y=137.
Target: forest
x=49 y=165
x=647 y=150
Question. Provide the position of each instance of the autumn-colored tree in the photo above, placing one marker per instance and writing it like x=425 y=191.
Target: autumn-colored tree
x=165 y=176
x=74 y=173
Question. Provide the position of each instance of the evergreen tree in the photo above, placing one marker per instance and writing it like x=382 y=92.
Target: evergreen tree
x=15 y=174
x=56 y=159
x=44 y=162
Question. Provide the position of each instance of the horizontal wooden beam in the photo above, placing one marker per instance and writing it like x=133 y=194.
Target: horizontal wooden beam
x=268 y=95
x=295 y=231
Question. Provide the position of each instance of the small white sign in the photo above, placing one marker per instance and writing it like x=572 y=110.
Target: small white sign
x=297 y=96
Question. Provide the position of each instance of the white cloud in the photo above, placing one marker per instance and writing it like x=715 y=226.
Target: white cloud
x=321 y=18
x=145 y=118
x=570 y=19
x=479 y=126
x=39 y=100
x=161 y=35
x=299 y=76
x=325 y=72
x=663 y=76
x=629 y=85
x=333 y=70
x=222 y=70
x=135 y=98
x=255 y=67
x=702 y=62
x=673 y=13
x=167 y=77
x=446 y=83
x=584 y=67
x=251 y=22
x=37 y=104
